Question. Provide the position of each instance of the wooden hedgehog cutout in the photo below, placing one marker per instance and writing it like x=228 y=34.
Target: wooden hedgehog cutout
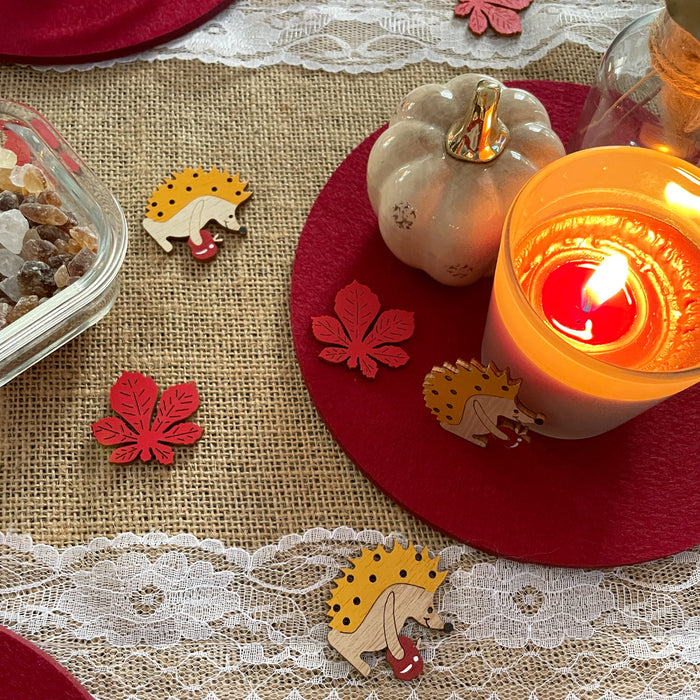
x=373 y=599
x=185 y=202
x=476 y=403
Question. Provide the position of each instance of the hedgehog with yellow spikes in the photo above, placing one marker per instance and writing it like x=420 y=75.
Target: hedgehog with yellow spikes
x=185 y=202
x=475 y=402
x=375 y=596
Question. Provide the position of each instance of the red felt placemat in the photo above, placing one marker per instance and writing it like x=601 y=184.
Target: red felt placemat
x=28 y=673
x=76 y=31
x=630 y=495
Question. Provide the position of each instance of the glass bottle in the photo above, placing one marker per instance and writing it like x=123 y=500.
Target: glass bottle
x=647 y=91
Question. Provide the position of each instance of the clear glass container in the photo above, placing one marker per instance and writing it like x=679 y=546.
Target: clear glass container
x=574 y=384
x=70 y=311
x=647 y=91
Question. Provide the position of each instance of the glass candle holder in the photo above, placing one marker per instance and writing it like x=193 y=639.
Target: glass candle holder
x=596 y=295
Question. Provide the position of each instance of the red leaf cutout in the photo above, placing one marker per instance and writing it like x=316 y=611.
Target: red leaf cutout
x=464 y=8
x=478 y=22
x=134 y=397
x=504 y=21
x=177 y=403
x=368 y=367
x=113 y=431
x=334 y=354
x=162 y=453
x=124 y=455
x=348 y=338
x=329 y=330
x=182 y=434
x=500 y=14
x=391 y=327
x=356 y=306
x=390 y=355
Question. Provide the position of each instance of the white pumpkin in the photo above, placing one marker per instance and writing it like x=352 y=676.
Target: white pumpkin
x=442 y=176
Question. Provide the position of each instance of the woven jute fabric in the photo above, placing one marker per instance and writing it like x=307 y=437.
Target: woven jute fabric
x=266 y=464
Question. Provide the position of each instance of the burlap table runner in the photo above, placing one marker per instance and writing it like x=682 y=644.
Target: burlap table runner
x=266 y=465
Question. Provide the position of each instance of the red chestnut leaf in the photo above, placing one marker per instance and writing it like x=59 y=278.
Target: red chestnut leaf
x=390 y=355
x=334 y=355
x=391 y=327
x=177 y=403
x=134 y=397
x=182 y=434
x=351 y=339
x=356 y=306
x=504 y=21
x=162 y=453
x=478 y=22
x=464 y=8
x=329 y=330
x=124 y=455
x=368 y=367
x=500 y=14
x=113 y=431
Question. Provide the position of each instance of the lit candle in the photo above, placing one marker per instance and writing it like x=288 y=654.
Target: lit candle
x=589 y=302
x=596 y=299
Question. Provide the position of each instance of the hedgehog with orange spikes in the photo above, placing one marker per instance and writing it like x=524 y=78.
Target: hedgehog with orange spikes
x=475 y=402
x=185 y=202
x=375 y=596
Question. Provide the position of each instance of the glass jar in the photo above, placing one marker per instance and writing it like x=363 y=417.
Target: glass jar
x=88 y=298
x=647 y=91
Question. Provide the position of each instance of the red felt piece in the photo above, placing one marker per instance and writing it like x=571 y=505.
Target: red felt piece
x=28 y=673
x=500 y=14
x=357 y=337
x=133 y=397
x=75 y=31
x=627 y=496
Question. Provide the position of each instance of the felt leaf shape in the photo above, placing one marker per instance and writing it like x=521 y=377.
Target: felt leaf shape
x=352 y=339
x=500 y=14
x=134 y=397
x=12 y=141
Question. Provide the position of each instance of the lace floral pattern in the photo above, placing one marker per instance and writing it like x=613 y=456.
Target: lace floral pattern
x=516 y=605
x=132 y=600
x=136 y=618
x=374 y=35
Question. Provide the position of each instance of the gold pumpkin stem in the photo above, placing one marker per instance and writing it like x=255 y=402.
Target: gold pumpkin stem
x=480 y=136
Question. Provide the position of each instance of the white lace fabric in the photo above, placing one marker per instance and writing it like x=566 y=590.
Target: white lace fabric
x=138 y=618
x=375 y=35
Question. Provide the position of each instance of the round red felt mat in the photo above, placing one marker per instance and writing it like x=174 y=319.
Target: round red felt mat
x=75 y=31
x=630 y=495
x=28 y=673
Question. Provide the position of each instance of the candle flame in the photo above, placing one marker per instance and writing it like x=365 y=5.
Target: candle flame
x=608 y=279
